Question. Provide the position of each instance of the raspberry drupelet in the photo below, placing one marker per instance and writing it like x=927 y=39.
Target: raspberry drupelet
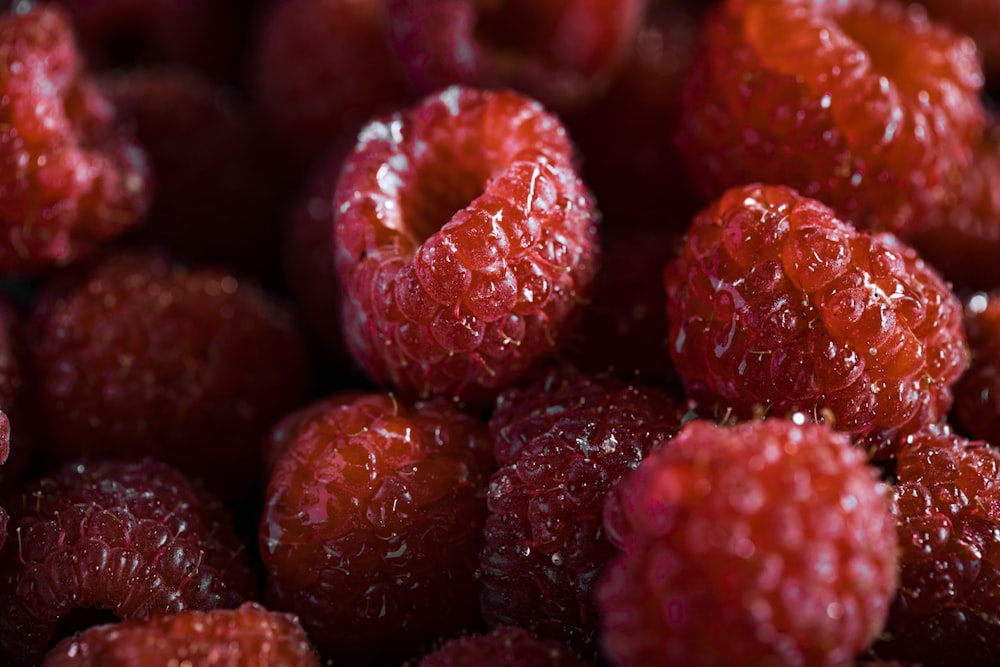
x=134 y=539
x=562 y=443
x=863 y=104
x=505 y=646
x=138 y=356
x=465 y=244
x=768 y=543
x=249 y=636
x=947 y=611
x=977 y=394
x=775 y=306
x=372 y=525
x=71 y=178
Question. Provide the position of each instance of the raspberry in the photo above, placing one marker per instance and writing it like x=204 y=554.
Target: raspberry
x=863 y=104
x=372 y=523
x=977 y=394
x=562 y=442
x=136 y=356
x=216 y=198
x=775 y=305
x=135 y=539
x=70 y=177
x=769 y=543
x=948 y=513
x=976 y=18
x=561 y=52
x=505 y=646
x=249 y=636
x=322 y=68
x=464 y=243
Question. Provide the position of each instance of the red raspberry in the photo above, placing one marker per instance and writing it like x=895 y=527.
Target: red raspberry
x=136 y=539
x=947 y=611
x=562 y=442
x=322 y=68
x=775 y=305
x=70 y=177
x=862 y=104
x=249 y=636
x=465 y=243
x=561 y=52
x=976 y=18
x=217 y=194
x=136 y=356
x=505 y=646
x=977 y=394
x=372 y=523
x=769 y=543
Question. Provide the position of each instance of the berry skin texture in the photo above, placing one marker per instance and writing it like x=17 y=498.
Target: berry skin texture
x=136 y=356
x=562 y=443
x=871 y=108
x=505 y=646
x=977 y=394
x=768 y=543
x=464 y=242
x=249 y=636
x=70 y=178
x=372 y=524
x=948 y=512
x=775 y=305
x=136 y=539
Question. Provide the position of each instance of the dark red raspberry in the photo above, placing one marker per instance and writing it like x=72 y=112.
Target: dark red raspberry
x=136 y=356
x=372 y=524
x=465 y=243
x=947 y=611
x=561 y=52
x=505 y=646
x=249 y=636
x=70 y=177
x=978 y=19
x=217 y=196
x=322 y=68
x=977 y=394
x=775 y=305
x=769 y=543
x=134 y=539
x=562 y=444
x=862 y=104
x=962 y=239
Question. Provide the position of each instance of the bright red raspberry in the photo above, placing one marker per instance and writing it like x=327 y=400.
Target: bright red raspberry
x=776 y=306
x=322 y=68
x=135 y=539
x=977 y=394
x=505 y=646
x=137 y=356
x=862 y=104
x=561 y=52
x=372 y=525
x=465 y=243
x=768 y=543
x=249 y=636
x=563 y=442
x=70 y=177
x=947 y=611
x=217 y=197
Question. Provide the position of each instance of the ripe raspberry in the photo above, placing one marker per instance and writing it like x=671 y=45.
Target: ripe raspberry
x=862 y=104
x=217 y=196
x=947 y=611
x=775 y=305
x=505 y=646
x=769 y=543
x=977 y=394
x=561 y=52
x=978 y=19
x=372 y=523
x=322 y=68
x=70 y=178
x=136 y=539
x=249 y=636
x=464 y=243
x=136 y=356
x=562 y=442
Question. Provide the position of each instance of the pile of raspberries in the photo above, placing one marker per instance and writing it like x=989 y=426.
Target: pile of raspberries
x=499 y=333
